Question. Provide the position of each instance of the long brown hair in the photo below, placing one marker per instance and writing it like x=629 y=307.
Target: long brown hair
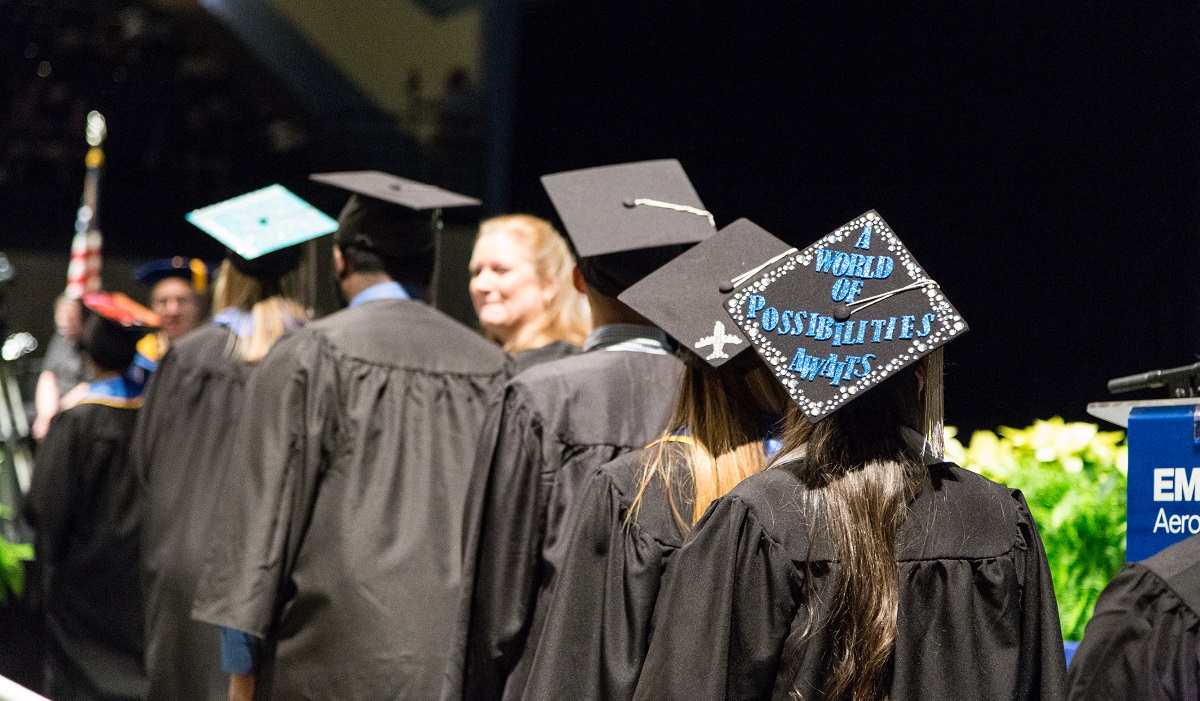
x=271 y=304
x=726 y=414
x=566 y=316
x=861 y=474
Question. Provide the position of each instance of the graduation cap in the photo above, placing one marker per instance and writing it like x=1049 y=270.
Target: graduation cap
x=837 y=318
x=191 y=270
x=258 y=227
x=624 y=221
x=386 y=213
x=113 y=327
x=687 y=296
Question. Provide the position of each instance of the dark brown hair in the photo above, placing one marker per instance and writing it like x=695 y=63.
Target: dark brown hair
x=860 y=475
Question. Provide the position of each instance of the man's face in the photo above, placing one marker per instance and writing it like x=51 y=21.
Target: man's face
x=177 y=303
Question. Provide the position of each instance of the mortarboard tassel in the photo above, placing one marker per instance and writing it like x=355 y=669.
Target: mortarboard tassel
x=934 y=404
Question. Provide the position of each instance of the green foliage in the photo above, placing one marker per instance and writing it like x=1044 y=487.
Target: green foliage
x=1073 y=477
x=12 y=568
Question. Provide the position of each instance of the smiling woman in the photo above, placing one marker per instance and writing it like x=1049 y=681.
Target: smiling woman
x=522 y=287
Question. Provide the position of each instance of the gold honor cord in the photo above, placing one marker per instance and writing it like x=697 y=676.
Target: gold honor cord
x=644 y=202
x=854 y=307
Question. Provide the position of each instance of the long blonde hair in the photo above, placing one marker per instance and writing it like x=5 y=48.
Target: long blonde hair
x=726 y=414
x=861 y=475
x=566 y=317
x=272 y=304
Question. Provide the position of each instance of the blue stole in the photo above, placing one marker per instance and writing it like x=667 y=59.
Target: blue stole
x=120 y=391
x=241 y=322
x=771 y=444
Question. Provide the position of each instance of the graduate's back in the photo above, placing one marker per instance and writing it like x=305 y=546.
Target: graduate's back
x=84 y=506
x=558 y=422
x=549 y=431
x=341 y=540
x=1143 y=641
x=976 y=617
x=860 y=565
x=597 y=625
x=181 y=452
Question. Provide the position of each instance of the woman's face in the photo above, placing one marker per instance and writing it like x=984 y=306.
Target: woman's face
x=505 y=288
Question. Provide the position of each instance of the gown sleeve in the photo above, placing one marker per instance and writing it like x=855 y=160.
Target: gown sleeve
x=146 y=431
x=723 y=614
x=503 y=535
x=274 y=470
x=594 y=637
x=1141 y=643
x=1042 y=666
x=55 y=486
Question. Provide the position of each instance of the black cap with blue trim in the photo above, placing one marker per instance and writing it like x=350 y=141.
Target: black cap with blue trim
x=194 y=271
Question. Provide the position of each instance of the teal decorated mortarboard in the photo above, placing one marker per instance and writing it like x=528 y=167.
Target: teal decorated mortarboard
x=840 y=316
x=259 y=222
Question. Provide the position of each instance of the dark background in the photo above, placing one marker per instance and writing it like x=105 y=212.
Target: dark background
x=1043 y=163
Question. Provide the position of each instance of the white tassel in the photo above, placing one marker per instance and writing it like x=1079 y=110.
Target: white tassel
x=935 y=419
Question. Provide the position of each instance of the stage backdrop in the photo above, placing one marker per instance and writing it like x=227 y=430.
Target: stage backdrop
x=1041 y=162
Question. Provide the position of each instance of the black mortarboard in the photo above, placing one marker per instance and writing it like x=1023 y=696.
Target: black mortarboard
x=842 y=315
x=687 y=296
x=616 y=216
x=392 y=188
x=261 y=229
x=390 y=215
x=191 y=270
x=113 y=327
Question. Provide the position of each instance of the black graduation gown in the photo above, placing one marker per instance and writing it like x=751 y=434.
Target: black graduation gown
x=596 y=631
x=1143 y=641
x=554 y=425
x=83 y=506
x=523 y=360
x=977 y=617
x=180 y=452
x=338 y=539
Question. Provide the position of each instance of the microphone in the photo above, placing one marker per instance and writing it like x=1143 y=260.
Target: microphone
x=1179 y=379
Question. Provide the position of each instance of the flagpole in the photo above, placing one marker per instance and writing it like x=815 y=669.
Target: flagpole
x=83 y=274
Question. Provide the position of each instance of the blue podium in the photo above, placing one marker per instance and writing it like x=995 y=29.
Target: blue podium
x=1163 y=491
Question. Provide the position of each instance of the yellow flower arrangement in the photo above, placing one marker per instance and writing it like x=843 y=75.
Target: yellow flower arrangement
x=1073 y=478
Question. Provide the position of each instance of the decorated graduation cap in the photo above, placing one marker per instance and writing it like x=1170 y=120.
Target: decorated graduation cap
x=390 y=215
x=114 y=325
x=624 y=221
x=687 y=296
x=841 y=316
x=193 y=271
x=260 y=229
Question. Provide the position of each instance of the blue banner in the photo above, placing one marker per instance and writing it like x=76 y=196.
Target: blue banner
x=1164 y=479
